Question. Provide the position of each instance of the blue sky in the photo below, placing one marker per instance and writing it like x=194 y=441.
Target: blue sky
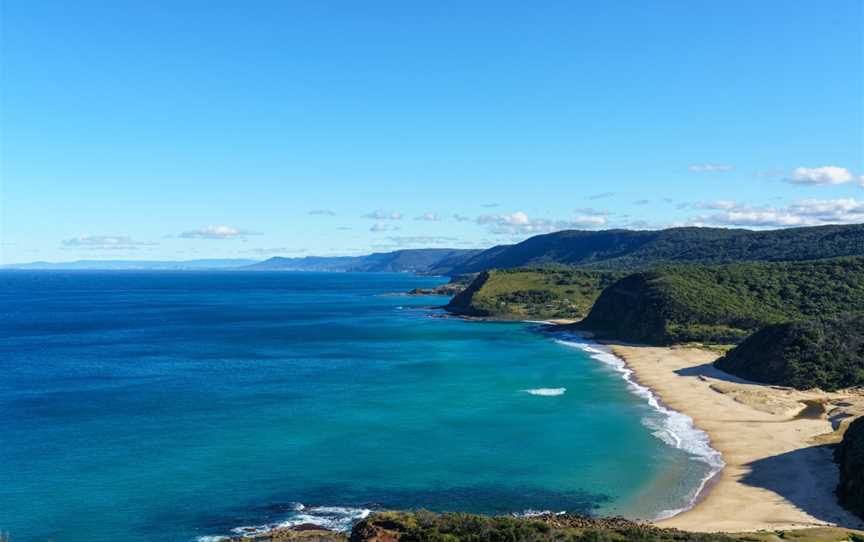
x=187 y=129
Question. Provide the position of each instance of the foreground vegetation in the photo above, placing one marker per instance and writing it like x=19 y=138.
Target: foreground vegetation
x=725 y=303
x=429 y=527
x=823 y=353
x=520 y=294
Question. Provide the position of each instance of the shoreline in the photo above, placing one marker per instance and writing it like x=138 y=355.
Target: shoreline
x=683 y=435
x=777 y=471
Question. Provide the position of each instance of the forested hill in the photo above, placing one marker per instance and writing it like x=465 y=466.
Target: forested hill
x=635 y=249
x=826 y=353
x=536 y=294
x=724 y=303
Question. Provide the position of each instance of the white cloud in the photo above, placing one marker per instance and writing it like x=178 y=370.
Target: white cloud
x=519 y=223
x=384 y=215
x=517 y=219
x=322 y=212
x=429 y=217
x=821 y=175
x=809 y=212
x=592 y=211
x=409 y=240
x=861 y=181
x=381 y=226
x=588 y=220
x=217 y=232
x=710 y=168
x=104 y=242
x=720 y=204
x=461 y=218
x=601 y=195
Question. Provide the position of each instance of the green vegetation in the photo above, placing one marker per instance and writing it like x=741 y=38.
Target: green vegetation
x=520 y=294
x=822 y=353
x=627 y=249
x=724 y=303
x=850 y=456
x=423 y=526
x=455 y=527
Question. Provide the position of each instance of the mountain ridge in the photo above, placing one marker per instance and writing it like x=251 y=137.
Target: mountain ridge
x=620 y=248
x=421 y=260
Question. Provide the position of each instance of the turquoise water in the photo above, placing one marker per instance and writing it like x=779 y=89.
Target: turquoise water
x=175 y=405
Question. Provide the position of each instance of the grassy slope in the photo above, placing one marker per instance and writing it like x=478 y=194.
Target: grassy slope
x=520 y=294
x=725 y=303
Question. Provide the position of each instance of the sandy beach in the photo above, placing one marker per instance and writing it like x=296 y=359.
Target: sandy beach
x=779 y=473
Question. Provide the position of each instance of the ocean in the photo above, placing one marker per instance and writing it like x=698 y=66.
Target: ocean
x=184 y=406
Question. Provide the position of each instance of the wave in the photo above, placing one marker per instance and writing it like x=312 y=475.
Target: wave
x=333 y=518
x=672 y=427
x=531 y=513
x=546 y=392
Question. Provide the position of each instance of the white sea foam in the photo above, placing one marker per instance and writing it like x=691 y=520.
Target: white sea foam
x=531 y=513
x=546 y=392
x=670 y=426
x=334 y=518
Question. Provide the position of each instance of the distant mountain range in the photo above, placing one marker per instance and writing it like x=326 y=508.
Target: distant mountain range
x=607 y=249
x=628 y=249
x=141 y=265
x=424 y=260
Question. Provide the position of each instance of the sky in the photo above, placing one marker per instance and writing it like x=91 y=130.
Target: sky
x=192 y=129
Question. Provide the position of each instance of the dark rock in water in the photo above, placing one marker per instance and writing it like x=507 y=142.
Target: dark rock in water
x=309 y=527
x=306 y=532
x=445 y=289
x=850 y=456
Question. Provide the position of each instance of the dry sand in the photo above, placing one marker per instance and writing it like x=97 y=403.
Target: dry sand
x=779 y=474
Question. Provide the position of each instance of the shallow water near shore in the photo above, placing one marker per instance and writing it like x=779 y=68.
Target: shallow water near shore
x=178 y=405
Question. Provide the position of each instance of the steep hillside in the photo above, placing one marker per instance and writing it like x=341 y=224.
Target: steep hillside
x=639 y=249
x=850 y=456
x=724 y=303
x=520 y=294
x=822 y=353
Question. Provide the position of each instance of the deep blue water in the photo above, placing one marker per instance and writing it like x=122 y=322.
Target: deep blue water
x=172 y=405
